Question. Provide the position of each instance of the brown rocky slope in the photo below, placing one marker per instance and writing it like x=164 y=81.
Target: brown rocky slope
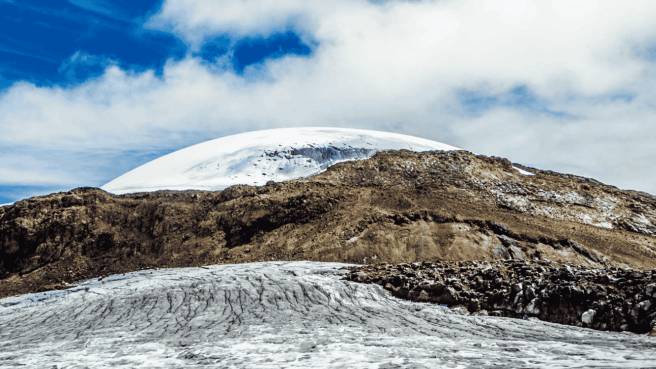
x=395 y=207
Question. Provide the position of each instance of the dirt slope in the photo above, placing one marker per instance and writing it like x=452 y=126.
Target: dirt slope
x=395 y=207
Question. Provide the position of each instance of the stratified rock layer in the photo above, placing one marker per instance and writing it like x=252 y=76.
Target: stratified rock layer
x=606 y=299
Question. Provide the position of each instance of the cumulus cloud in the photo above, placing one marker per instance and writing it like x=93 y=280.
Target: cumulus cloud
x=398 y=66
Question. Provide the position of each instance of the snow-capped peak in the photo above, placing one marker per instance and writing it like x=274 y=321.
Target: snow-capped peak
x=254 y=158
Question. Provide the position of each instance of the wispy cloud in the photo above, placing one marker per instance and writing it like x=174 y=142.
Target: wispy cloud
x=67 y=14
x=31 y=54
x=101 y=7
x=81 y=65
x=554 y=84
x=22 y=168
x=478 y=102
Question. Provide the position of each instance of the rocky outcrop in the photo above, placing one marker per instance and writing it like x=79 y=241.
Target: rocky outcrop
x=614 y=299
x=498 y=181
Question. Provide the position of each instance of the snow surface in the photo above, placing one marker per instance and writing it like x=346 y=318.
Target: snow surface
x=254 y=158
x=8 y=204
x=523 y=172
x=281 y=315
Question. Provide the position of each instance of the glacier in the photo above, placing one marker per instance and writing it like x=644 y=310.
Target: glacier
x=283 y=315
x=254 y=158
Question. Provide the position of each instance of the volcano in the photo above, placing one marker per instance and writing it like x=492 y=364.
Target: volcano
x=342 y=247
x=254 y=158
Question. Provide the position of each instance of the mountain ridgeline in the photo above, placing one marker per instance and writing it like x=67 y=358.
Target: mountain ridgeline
x=396 y=207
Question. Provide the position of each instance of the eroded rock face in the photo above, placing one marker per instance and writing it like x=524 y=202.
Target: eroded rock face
x=613 y=299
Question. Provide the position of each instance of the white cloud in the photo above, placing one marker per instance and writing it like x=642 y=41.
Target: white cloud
x=394 y=66
x=195 y=20
x=21 y=169
x=606 y=146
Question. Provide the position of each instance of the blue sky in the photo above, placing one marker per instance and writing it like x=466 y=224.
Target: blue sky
x=66 y=42
x=90 y=89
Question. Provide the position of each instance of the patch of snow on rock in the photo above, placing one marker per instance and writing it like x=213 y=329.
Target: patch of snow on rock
x=523 y=172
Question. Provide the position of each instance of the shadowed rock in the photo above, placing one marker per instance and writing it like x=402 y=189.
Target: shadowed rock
x=614 y=299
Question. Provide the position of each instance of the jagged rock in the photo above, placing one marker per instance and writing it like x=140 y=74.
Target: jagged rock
x=530 y=293
x=501 y=252
x=650 y=290
x=604 y=299
x=71 y=200
x=532 y=308
x=516 y=253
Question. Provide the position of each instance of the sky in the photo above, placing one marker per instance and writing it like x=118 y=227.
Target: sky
x=90 y=89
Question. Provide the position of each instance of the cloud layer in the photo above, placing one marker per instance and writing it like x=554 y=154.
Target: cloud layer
x=583 y=70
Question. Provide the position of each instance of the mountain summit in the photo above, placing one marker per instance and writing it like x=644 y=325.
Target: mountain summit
x=443 y=225
x=254 y=158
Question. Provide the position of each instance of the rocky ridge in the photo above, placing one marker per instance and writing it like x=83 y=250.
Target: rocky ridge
x=496 y=181
x=614 y=299
x=394 y=207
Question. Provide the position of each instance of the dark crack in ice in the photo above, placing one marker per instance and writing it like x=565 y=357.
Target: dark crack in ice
x=282 y=315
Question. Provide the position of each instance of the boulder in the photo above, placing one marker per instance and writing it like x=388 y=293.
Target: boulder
x=588 y=316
